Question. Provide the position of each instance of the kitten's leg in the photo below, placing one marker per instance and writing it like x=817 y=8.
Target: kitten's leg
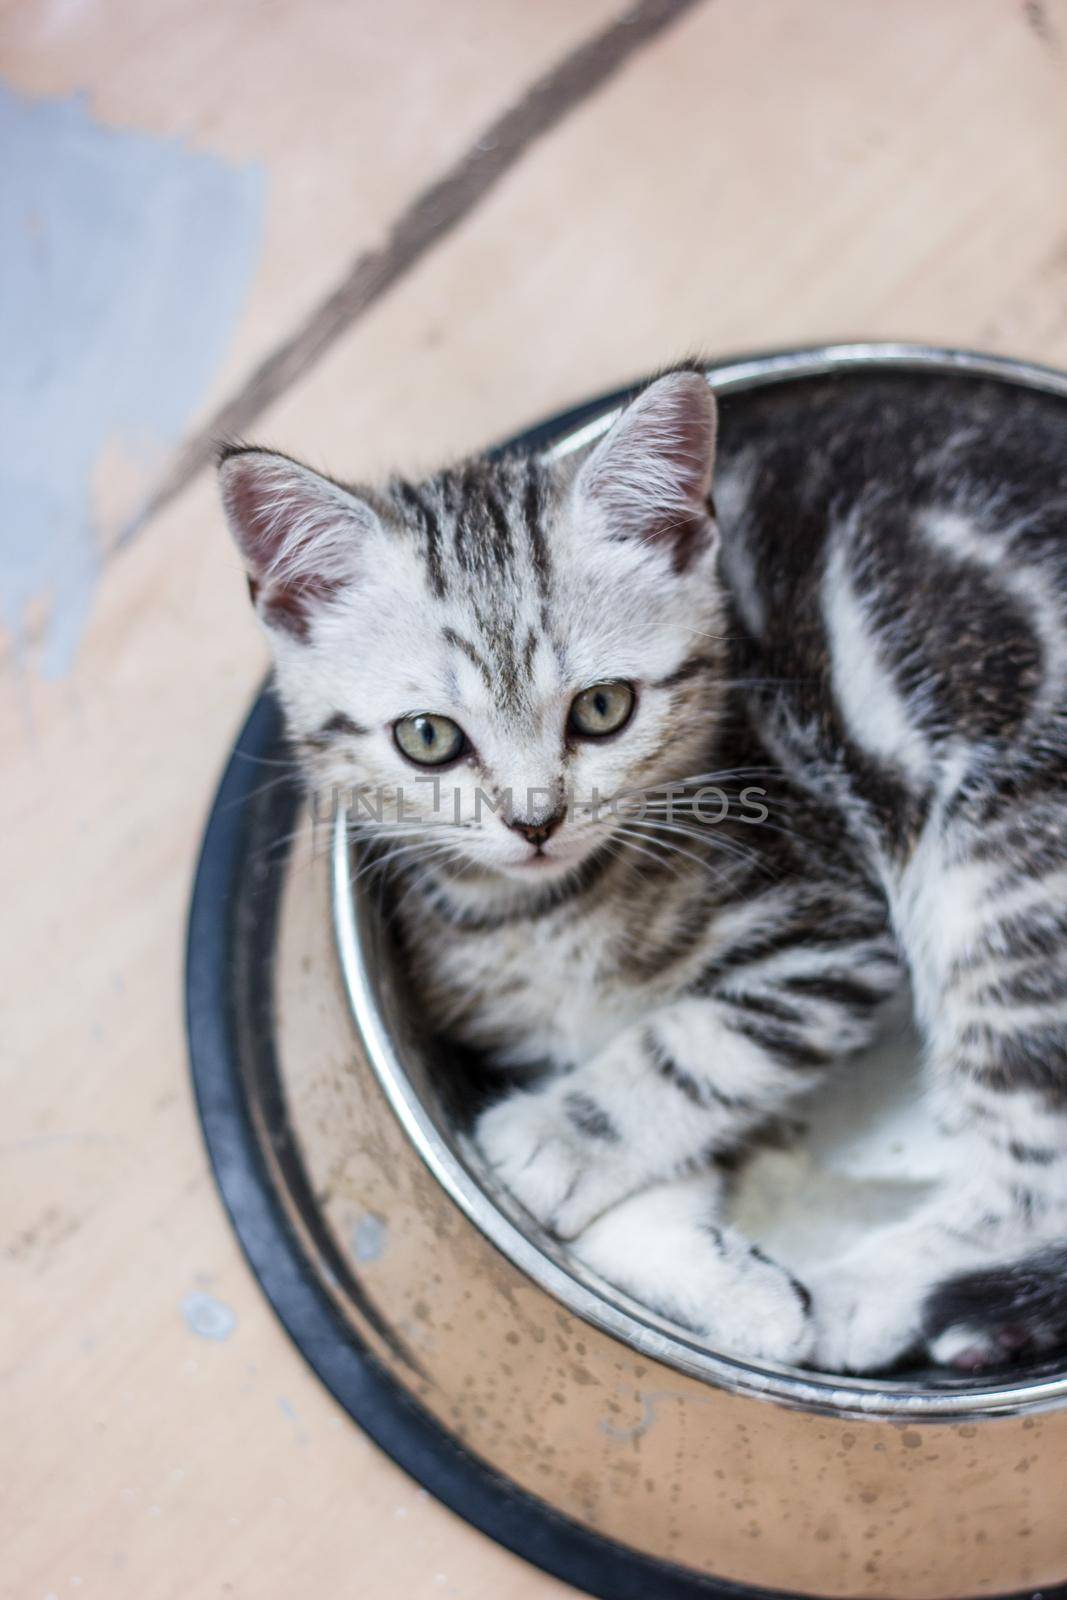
x=670 y=1249
x=983 y=915
x=752 y=1032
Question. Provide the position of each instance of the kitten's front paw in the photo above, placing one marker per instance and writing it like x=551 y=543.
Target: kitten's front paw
x=767 y=1320
x=947 y=1290
x=563 y=1176
x=666 y=1248
x=865 y=1320
x=871 y=1305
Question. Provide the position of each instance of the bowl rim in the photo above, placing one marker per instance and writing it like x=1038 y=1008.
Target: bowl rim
x=613 y=1313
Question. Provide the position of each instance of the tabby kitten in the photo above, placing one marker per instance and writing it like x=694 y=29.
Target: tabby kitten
x=537 y=669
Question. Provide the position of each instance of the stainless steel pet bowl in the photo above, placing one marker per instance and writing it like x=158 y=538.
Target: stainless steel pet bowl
x=562 y=1419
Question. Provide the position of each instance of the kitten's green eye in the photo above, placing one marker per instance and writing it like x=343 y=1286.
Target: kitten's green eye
x=428 y=740
x=603 y=709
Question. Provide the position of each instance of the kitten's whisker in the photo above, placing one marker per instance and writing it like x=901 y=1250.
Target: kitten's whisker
x=690 y=810
x=670 y=849
x=737 y=852
x=264 y=788
x=745 y=683
x=679 y=796
x=378 y=863
x=705 y=833
x=718 y=775
x=653 y=830
x=292 y=764
x=697 y=780
x=369 y=835
x=381 y=857
x=631 y=843
x=629 y=937
x=437 y=864
x=705 y=633
x=390 y=897
x=731 y=816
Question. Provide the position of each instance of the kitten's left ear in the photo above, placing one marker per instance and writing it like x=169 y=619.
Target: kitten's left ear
x=651 y=475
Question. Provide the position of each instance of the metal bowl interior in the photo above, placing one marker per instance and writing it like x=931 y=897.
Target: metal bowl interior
x=383 y=1017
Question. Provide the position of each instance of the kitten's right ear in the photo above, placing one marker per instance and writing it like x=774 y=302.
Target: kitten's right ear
x=299 y=534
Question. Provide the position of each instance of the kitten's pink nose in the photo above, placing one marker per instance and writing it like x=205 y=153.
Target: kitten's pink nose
x=537 y=832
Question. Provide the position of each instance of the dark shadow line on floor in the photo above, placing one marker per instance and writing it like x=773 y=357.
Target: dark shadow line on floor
x=433 y=214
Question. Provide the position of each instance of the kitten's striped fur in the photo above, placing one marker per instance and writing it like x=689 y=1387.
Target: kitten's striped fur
x=874 y=635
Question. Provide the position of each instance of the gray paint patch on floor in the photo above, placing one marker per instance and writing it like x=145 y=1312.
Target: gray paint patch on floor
x=369 y=1238
x=207 y=1317
x=125 y=265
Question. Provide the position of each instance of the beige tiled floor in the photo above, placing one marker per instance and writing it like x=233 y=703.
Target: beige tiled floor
x=759 y=172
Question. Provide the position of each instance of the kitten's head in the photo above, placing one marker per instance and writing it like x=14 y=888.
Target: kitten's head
x=523 y=631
